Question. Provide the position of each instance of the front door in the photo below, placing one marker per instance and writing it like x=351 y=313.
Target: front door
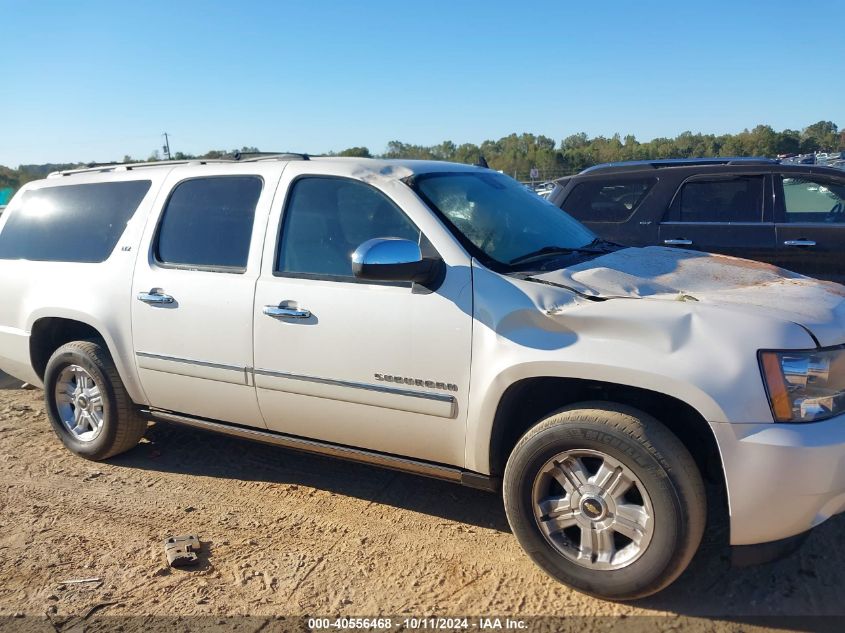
x=811 y=225
x=381 y=366
x=193 y=292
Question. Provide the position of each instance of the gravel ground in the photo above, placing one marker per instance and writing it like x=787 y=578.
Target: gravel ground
x=291 y=534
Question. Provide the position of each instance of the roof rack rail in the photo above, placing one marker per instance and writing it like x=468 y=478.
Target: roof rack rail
x=105 y=167
x=680 y=162
x=232 y=158
x=256 y=156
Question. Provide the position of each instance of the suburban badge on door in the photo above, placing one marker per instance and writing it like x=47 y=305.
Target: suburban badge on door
x=417 y=382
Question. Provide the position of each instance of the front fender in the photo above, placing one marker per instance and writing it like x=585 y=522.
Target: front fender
x=702 y=355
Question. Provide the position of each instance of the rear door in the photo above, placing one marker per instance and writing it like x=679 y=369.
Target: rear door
x=193 y=291
x=810 y=213
x=728 y=214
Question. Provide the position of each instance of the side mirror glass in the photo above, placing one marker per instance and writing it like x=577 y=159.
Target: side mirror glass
x=392 y=259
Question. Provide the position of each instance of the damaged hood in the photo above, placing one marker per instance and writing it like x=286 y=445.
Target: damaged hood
x=661 y=273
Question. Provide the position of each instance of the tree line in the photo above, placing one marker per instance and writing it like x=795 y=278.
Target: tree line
x=518 y=154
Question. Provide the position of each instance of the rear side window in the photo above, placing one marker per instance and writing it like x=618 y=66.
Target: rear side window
x=71 y=223
x=605 y=201
x=737 y=199
x=207 y=223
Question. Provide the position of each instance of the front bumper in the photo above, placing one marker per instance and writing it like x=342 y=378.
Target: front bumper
x=782 y=479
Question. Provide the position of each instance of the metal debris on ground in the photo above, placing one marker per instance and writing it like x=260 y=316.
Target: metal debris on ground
x=181 y=550
x=79 y=581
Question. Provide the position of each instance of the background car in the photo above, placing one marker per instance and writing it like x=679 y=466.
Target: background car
x=792 y=216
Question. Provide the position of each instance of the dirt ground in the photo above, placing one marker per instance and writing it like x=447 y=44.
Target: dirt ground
x=289 y=534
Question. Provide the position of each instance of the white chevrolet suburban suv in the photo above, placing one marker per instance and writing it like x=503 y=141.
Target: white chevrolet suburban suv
x=443 y=320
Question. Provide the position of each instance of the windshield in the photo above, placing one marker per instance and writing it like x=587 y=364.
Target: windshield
x=499 y=220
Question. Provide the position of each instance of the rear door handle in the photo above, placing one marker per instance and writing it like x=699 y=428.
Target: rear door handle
x=155 y=297
x=278 y=312
x=799 y=243
x=679 y=242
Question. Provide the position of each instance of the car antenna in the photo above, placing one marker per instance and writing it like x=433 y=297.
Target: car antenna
x=482 y=162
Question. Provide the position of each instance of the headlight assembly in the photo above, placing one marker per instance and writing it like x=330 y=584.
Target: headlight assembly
x=805 y=385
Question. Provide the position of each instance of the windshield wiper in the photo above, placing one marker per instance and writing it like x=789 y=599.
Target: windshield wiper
x=598 y=245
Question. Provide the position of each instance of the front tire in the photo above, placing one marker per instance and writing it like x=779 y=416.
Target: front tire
x=605 y=499
x=87 y=404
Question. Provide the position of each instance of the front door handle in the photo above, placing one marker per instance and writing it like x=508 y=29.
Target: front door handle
x=155 y=297
x=678 y=242
x=278 y=312
x=799 y=243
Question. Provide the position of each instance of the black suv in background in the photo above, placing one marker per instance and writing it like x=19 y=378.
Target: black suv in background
x=792 y=216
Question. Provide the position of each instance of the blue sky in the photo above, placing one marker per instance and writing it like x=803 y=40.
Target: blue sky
x=90 y=80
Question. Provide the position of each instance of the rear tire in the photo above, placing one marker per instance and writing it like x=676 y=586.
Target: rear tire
x=605 y=499
x=87 y=404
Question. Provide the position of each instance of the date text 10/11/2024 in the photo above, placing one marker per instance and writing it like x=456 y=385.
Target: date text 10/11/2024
x=417 y=624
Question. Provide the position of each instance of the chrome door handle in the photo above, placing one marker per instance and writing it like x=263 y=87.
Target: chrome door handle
x=678 y=242
x=155 y=297
x=799 y=243
x=286 y=313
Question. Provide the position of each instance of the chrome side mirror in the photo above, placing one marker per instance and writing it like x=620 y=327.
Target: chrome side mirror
x=393 y=259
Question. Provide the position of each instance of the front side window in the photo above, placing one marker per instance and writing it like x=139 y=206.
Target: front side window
x=71 y=223
x=813 y=200
x=499 y=220
x=327 y=218
x=737 y=199
x=207 y=223
x=602 y=201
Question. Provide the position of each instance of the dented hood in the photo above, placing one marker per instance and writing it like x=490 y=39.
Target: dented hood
x=739 y=284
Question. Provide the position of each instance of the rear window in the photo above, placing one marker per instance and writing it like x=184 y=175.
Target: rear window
x=603 y=201
x=208 y=223
x=71 y=223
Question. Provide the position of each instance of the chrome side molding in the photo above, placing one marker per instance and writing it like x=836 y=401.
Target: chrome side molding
x=234 y=374
x=442 y=405
x=404 y=464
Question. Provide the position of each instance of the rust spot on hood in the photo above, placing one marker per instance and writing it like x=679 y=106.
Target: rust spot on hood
x=749 y=264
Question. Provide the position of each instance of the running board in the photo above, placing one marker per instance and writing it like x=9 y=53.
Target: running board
x=404 y=464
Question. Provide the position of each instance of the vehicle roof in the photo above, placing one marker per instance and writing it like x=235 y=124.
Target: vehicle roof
x=397 y=168
x=680 y=162
x=699 y=165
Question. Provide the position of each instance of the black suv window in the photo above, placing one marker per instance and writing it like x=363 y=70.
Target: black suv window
x=326 y=219
x=813 y=200
x=71 y=223
x=603 y=201
x=208 y=223
x=736 y=199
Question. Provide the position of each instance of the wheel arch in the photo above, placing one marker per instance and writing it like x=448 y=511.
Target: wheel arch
x=529 y=400
x=48 y=333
